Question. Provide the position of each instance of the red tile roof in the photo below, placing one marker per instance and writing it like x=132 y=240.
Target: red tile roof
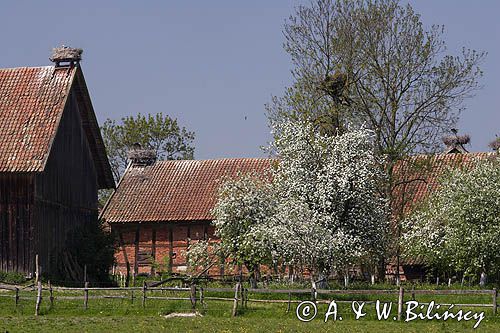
x=174 y=190
x=32 y=100
x=418 y=176
x=186 y=190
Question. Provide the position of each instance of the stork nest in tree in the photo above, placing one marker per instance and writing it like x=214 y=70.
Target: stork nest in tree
x=495 y=144
x=334 y=85
x=65 y=53
x=142 y=156
x=455 y=140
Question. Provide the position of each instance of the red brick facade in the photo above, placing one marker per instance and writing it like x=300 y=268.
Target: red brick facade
x=158 y=246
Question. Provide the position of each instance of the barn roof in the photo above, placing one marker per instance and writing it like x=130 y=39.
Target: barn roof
x=417 y=176
x=32 y=100
x=186 y=190
x=179 y=190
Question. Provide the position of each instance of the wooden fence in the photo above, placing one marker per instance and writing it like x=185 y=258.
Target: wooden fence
x=241 y=297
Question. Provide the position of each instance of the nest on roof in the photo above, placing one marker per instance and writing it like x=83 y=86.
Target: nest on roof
x=495 y=144
x=141 y=156
x=65 y=53
x=456 y=140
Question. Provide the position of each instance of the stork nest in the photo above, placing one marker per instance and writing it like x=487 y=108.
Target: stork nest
x=65 y=53
x=142 y=156
x=334 y=85
x=495 y=144
x=455 y=140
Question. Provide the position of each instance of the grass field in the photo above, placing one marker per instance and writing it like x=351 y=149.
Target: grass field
x=125 y=315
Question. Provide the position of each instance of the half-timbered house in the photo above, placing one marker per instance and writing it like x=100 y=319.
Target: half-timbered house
x=159 y=207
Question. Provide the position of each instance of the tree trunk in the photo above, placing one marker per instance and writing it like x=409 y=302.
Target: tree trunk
x=346 y=279
x=483 y=279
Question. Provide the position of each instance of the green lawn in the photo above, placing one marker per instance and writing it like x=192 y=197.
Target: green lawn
x=123 y=315
x=220 y=324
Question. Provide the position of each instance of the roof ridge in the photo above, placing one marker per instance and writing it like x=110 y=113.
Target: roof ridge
x=218 y=159
x=453 y=154
x=25 y=67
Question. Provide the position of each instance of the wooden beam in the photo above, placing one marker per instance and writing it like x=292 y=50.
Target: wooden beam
x=136 y=262
x=153 y=249
x=170 y=249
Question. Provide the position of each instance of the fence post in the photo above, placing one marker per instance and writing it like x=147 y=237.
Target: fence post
x=202 y=301
x=17 y=296
x=400 y=302
x=144 y=289
x=86 y=296
x=243 y=292
x=314 y=294
x=246 y=298
x=84 y=274
x=132 y=296
x=495 y=296
x=235 y=303
x=38 y=298
x=51 y=298
x=193 y=297
x=289 y=301
x=37 y=269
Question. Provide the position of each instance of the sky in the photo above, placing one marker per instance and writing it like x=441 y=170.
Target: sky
x=213 y=65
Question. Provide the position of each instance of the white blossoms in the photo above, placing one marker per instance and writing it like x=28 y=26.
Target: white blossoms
x=328 y=214
x=318 y=209
x=458 y=227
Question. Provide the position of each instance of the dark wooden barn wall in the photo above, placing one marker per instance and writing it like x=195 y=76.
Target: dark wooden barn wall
x=16 y=203
x=66 y=192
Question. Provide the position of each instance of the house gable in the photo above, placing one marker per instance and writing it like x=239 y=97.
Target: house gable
x=32 y=100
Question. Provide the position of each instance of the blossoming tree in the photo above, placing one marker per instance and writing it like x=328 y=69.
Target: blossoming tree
x=329 y=214
x=458 y=228
x=244 y=204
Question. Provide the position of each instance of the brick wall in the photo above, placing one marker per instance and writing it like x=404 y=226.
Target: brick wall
x=150 y=248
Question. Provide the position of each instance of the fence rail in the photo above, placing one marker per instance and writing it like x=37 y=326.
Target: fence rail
x=240 y=299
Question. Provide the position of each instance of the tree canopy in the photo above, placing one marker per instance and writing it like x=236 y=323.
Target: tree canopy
x=329 y=212
x=457 y=229
x=374 y=63
x=152 y=131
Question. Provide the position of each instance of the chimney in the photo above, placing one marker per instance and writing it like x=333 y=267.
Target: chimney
x=141 y=157
x=455 y=143
x=65 y=56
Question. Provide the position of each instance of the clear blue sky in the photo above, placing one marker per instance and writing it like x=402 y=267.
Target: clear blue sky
x=211 y=63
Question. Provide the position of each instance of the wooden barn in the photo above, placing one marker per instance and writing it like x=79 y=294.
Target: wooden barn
x=158 y=208
x=52 y=162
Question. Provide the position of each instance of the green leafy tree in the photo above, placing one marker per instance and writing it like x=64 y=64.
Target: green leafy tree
x=374 y=63
x=458 y=228
x=91 y=246
x=158 y=132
